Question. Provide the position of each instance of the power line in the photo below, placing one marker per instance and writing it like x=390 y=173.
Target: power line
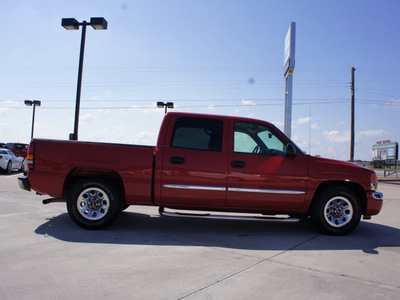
x=309 y=101
x=213 y=105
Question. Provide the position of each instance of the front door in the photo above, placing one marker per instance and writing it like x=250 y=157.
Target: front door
x=260 y=175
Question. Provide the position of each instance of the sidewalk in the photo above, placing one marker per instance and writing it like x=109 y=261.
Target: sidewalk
x=392 y=177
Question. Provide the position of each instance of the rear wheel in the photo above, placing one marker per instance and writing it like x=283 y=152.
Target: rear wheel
x=9 y=167
x=336 y=211
x=94 y=203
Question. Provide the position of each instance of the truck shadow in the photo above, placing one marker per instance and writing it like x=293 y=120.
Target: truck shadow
x=143 y=229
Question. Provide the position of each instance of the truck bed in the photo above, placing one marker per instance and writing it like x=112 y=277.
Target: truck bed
x=58 y=162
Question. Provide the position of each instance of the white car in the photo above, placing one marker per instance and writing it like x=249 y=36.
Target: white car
x=9 y=161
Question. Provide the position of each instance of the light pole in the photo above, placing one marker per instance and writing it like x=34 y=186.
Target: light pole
x=33 y=103
x=73 y=24
x=166 y=105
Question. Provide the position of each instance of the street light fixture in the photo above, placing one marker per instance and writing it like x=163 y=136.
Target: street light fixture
x=73 y=24
x=33 y=103
x=166 y=105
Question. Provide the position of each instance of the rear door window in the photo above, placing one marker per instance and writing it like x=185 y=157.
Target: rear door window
x=198 y=133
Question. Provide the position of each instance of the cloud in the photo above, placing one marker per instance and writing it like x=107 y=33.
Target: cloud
x=301 y=141
x=87 y=117
x=150 y=109
x=302 y=120
x=394 y=103
x=12 y=103
x=248 y=102
x=278 y=124
x=305 y=120
x=111 y=135
x=4 y=126
x=314 y=126
x=104 y=111
x=145 y=138
x=371 y=133
x=338 y=137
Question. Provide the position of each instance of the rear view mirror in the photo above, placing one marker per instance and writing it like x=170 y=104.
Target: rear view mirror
x=290 y=150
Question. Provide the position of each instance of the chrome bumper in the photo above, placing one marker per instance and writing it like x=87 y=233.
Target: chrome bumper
x=377 y=195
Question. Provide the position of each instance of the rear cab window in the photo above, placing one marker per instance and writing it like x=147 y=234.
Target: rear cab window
x=198 y=133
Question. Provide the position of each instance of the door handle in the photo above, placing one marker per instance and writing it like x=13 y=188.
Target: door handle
x=238 y=164
x=177 y=160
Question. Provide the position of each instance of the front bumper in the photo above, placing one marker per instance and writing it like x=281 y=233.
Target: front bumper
x=23 y=183
x=374 y=203
x=377 y=195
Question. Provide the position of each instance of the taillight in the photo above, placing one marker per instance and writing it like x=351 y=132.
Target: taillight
x=30 y=157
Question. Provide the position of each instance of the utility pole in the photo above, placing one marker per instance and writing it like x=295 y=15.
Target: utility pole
x=352 y=116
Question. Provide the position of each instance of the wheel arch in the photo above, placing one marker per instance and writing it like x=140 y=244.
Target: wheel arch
x=77 y=174
x=353 y=186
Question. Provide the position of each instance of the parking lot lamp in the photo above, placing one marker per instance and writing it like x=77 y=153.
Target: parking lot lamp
x=33 y=103
x=73 y=24
x=166 y=105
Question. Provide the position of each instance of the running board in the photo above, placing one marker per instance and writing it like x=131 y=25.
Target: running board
x=231 y=217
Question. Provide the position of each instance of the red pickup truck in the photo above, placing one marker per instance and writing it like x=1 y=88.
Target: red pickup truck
x=203 y=162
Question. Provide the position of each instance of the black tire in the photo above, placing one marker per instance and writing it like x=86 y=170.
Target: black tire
x=336 y=211
x=9 y=167
x=94 y=203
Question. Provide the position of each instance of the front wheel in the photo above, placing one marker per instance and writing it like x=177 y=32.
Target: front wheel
x=93 y=203
x=336 y=211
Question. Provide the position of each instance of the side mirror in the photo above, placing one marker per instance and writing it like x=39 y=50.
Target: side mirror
x=290 y=150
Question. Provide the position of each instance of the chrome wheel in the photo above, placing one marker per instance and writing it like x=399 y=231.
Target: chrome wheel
x=93 y=203
x=338 y=211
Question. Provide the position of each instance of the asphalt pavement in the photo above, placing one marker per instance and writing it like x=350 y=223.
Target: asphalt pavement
x=44 y=255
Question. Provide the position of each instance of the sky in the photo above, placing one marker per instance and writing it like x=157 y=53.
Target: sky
x=206 y=56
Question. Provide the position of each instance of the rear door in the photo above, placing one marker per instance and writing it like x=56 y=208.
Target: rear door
x=194 y=171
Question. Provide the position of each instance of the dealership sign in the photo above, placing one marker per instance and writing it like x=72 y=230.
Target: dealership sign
x=385 y=150
x=290 y=50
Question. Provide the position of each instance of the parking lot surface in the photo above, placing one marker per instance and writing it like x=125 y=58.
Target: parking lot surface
x=147 y=256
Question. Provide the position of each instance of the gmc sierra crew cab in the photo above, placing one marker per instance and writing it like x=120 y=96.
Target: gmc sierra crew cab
x=203 y=162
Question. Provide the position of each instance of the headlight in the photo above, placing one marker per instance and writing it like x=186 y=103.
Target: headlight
x=374 y=182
